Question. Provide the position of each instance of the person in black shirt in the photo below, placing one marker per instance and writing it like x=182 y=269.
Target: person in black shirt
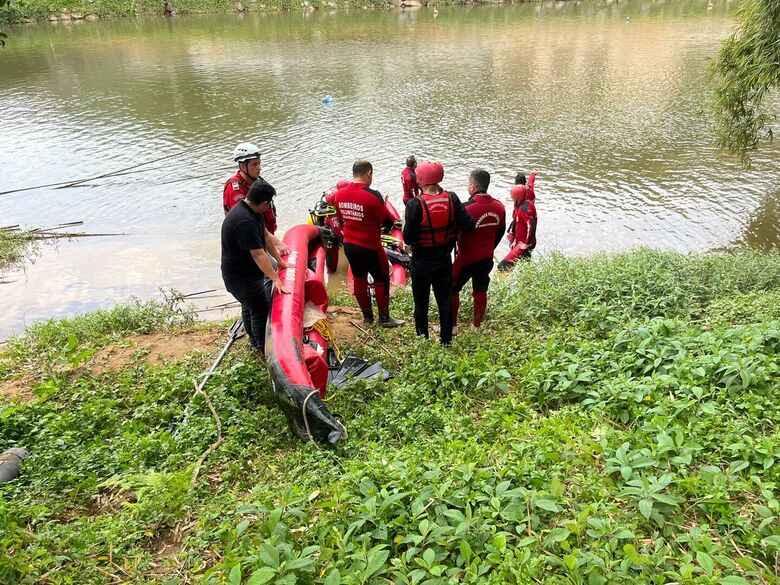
x=246 y=263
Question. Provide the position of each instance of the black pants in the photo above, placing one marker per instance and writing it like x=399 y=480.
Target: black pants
x=365 y=261
x=478 y=272
x=436 y=275
x=255 y=297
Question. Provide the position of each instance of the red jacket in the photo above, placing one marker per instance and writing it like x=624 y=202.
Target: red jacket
x=362 y=212
x=409 y=184
x=235 y=190
x=490 y=218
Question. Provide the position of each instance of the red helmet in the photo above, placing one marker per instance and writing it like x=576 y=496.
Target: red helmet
x=429 y=173
x=519 y=193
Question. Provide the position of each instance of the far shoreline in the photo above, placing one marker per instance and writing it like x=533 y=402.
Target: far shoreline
x=67 y=11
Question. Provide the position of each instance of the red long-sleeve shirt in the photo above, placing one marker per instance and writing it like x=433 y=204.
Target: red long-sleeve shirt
x=490 y=218
x=362 y=212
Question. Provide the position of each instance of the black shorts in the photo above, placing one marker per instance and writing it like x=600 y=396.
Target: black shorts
x=478 y=272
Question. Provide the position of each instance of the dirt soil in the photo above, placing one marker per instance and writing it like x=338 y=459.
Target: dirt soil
x=17 y=390
x=340 y=322
x=168 y=347
x=159 y=348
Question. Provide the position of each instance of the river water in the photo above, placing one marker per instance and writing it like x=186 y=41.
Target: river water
x=601 y=99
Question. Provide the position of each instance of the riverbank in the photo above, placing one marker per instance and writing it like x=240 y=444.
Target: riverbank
x=616 y=422
x=76 y=10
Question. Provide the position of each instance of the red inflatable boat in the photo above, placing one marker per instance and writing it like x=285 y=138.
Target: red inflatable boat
x=297 y=360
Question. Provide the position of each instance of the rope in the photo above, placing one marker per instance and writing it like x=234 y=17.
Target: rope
x=305 y=416
x=322 y=326
x=72 y=183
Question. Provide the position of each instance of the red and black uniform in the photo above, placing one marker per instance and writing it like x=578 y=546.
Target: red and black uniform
x=522 y=230
x=409 y=184
x=431 y=228
x=235 y=190
x=474 y=259
x=362 y=213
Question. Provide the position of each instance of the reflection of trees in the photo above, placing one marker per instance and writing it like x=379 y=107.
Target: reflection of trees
x=762 y=231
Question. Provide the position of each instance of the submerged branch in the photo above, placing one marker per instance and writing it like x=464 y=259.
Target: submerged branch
x=18 y=244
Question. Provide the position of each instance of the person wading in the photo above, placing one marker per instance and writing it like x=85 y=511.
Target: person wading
x=474 y=258
x=246 y=260
x=432 y=223
x=409 y=180
x=362 y=213
x=522 y=230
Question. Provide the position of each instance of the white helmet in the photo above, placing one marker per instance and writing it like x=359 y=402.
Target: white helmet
x=245 y=151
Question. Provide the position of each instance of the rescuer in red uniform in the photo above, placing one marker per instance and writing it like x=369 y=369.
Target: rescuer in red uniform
x=522 y=230
x=409 y=180
x=247 y=155
x=474 y=257
x=432 y=223
x=362 y=214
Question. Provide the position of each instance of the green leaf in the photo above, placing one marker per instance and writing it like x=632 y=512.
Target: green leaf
x=376 y=560
x=527 y=541
x=242 y=526
x=429 y=557
x=269 y=555
x=646 y=507
x=499 y=541
x=262 y=575
x=235 y=574
x=772 y=541
x=548 y=505
x=733 y=580
x=556 y=535
x=299 y=563
x=465 y=551
x=705 y=561
x=334 y=578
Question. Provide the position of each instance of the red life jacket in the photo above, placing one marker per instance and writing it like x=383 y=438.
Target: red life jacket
x=437 y=225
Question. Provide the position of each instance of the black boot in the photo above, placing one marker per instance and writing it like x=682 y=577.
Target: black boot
x=505 y=266
x=368 y=318
x=389 y=322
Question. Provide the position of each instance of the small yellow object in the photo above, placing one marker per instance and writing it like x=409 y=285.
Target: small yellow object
x=398 y=539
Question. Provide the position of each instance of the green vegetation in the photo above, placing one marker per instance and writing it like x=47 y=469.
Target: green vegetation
x=15 y=246
x=746 y=71
x=617 y=423
x=43 y=9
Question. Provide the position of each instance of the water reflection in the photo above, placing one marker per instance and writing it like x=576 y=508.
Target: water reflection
x=605 y=109
x=762 y=230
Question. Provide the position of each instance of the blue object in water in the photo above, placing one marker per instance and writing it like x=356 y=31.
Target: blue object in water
x=327 y=100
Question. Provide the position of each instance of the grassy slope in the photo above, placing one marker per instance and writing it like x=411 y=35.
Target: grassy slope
x=617 y=424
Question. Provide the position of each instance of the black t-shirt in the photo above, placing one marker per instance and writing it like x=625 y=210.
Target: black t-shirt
x=242 y=230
